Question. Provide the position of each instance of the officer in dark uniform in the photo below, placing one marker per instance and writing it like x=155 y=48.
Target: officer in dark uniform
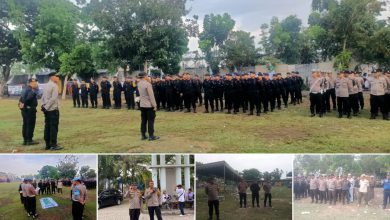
x=117 y=93
x=269 y=98
x=284 y=90
x=245 y=95
x=229 y=92
x=76 y=93
x=290 y=87
x=298 y=88
x=105 y=87
x=198 y=87
x=93 y=91
x=84 y=94
x=237 y=93
x=253 y=94
x=28 y=105
x=177 y=99
x=129 y=88
x=218 y=93
x=160 y=94
x=208 y=88
x=188 y=92
x=278 y=84
x=169 y=93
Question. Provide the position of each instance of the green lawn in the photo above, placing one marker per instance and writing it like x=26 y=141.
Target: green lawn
x=11 y=208
x=305 y=210
x=287 y=131
x=229 y=206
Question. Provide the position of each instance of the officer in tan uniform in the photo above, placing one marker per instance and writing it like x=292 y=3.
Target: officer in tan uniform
x=135 y=200
x=322 y=189
x=360 y=80
x=313 y=188
x=378 y=88
x=316 y=90
x=353 y=94
x=343 y=85
x=242 y=187
x=153 y=200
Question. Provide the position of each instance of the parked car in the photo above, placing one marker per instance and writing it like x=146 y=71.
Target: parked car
x=110 y=197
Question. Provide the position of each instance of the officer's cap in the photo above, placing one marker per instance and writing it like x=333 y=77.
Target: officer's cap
x=228 y=74
x=266 y=74
x=207 y=74
x=141 y=75
x=52 y=74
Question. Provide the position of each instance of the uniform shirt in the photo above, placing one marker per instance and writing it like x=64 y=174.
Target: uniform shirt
x=388 y=84
x=29 y=98
x=363 y=186
x=212 y=191
x=152 y=198
x=343 y=86
x=146 y=94
x=386 y=184
x=242 y=187
x=267 y=188
x=338 y=184
x=354 y=89
x=59 y=186
x=352 y=182
x=332 y=82
x=134 y=199
x=360 y=81
x=79 y=193
x=180 y=195
x=331 y=184
x=322 y=185
x=23 y=189
x=313 y=184
x=255 y=188
x=345 y=184
x=378 y=86
x=50 y=96
x=30 y=190
x=316 y=85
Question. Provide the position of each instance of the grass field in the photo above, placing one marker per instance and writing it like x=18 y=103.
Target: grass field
x=287 y=131
x=229 y=207
x=11 y=208
x=305 y=210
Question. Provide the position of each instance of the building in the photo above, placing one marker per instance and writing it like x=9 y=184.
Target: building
x=168 y=176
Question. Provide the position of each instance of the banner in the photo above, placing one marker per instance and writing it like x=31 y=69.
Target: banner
x=48 y=203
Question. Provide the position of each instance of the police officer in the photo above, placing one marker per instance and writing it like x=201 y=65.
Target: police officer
x=129 y=88
x=93 y=91
x=387 y=94
x=117 y=93
x=237 y=93
x=51 y=112
x=378 y=88
x=228 y=91
x=78 y=199
x=84 y=94
x=169 y=93
x=198 y=86
x=188 y=92
x=208 y=88
x=353 y=94
x=105 y=87
x=316 y=90
x=218 y=93
x=343 y=86
x=360 y=80
x=255 y=189
x=76 y=93
x=28 y=105
x=253 y=94
x=269 y=98
x=332 y=91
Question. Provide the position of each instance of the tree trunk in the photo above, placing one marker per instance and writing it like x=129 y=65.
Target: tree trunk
x=64 y=87
x=344 y=44
x=6 y=72
x=146 y=67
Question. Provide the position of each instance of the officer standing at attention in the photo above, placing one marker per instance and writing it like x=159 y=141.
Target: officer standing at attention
x=378 y=88
x=93 y=91
x=84 y=94
x=105 y=87
x=148 y=107
x=50 y=109
x=228 y=87
x=188 y=92
x=343 y=86
x=129 y=89
x=316 y=89
x=198 y=86
x=117 y=93
x=208 y=87
x=28 y=105
x=76 y=93
x=255 y=189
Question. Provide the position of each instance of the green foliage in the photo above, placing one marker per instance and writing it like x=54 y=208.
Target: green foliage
x=67 y=167
x=251 y=174
x=239 y=50
x=79 y=61
x=216 y=29
x=87 y=173
x=48 y=172
x=342 y=60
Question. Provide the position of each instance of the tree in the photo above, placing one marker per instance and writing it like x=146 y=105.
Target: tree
x=140 y=32
x=216 y=29
x=239 y=50
x=252 y=174
x=79 y=61
x=9 y=45
x=50 y=33
x=87 y=173
x=48 y=172
x=67 y=167
x=276 y=174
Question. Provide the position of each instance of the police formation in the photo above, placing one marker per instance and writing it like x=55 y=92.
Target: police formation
x=249 y=92
x=345 y=93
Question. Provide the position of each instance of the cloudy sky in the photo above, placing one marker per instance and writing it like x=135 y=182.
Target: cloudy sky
x=240 y=162
x=249 y=14
x=30 y=164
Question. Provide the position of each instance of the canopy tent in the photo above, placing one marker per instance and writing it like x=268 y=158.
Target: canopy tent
x=219 y=169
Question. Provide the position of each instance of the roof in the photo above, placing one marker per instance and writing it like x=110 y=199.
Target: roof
x=219 y=169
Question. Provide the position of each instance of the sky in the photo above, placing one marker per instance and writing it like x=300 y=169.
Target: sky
x=30 y=164
x=240 y=162
x=249 y=14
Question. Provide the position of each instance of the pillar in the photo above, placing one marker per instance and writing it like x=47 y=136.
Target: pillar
x=178 y=170
x=163 y=174
x=154 y=170
x=187 y=172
